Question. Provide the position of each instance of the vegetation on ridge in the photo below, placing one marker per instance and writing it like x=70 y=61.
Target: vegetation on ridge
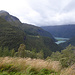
x=12 y=37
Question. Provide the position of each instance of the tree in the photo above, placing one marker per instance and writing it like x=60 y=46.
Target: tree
x=66 y=56
x=56 y=55
x=5 y=51
x=21 y=50
x=40 y=54
x=12 y=52
x=0 y=51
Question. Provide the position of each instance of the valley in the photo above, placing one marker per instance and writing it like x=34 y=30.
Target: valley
x=26 y=49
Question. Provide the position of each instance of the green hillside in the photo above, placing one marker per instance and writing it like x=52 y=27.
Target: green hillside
x=65 y=31
x=36 y=31
x=9 y=35
x=41 y=43
x=29 y=29
x=12 y=36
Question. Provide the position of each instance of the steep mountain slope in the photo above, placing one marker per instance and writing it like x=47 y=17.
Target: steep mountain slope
x=29 y=29
x=71 y=41
x=34 y=30
x=42 y=43
x=9 y=35
x=11 y=19
x=66 y=31
x=12 y=36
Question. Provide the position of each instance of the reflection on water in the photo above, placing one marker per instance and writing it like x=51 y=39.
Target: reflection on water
x=61 y=40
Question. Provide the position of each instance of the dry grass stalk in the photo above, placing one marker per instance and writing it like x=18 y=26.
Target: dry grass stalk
x=38 y=64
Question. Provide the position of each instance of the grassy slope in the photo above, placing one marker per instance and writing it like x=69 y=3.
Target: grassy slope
x=28 y=66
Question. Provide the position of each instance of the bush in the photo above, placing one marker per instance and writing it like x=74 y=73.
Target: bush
x=66 y=56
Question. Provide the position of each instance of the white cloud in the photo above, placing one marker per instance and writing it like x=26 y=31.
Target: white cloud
x=41 y=12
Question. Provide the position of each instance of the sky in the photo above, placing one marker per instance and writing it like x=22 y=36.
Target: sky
x=41 y=12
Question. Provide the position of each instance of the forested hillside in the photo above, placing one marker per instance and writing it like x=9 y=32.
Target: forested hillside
x=27 y=28
x=36 y=31
x=33 y=37
x=65 y=31
x=9 y=35
x=68 y=42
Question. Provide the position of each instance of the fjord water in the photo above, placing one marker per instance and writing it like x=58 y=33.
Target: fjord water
x=60 y=40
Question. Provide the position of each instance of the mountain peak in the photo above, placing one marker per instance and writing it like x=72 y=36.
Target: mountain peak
x=2 y=12
x=11 y=19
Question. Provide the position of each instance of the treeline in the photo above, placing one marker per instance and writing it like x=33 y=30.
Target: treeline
x=66 y=56
x=22 y=52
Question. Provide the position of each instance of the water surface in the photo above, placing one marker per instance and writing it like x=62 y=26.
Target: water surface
x=60 y=40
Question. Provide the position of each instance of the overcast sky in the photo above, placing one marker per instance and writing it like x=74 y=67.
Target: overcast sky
x=41 y=12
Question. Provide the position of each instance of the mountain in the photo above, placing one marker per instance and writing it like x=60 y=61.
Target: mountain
x=65 y=31
x=11 y=19
x=27 y=28
x=13 y=33
x=68 y=42
x=34 y=30
x=10 y=36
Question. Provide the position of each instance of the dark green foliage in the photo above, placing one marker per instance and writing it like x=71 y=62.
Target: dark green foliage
x=41 y=43
x=5 y=52
x=65 y=31
x=0 y=51
x=35 y=31
x=9 y=68
x=40 y=55
x=66 y=56
x=12 y=52
x=12 y=34
x=21 y=50
x=9 y=35
x=33 y=71
x=28 y=29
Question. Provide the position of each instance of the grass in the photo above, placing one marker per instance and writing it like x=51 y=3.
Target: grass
x=28 y=66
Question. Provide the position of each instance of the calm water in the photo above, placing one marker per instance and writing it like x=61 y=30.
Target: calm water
x=61 y=40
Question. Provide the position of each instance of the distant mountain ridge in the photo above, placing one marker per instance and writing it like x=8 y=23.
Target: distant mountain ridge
x=65 y=31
